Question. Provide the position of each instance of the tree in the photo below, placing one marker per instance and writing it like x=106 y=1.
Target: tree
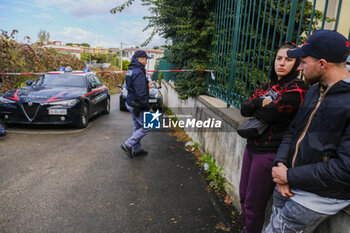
x=189 y=25
x=85 y=45
x=84 y=56
x=100 y=58
x=125 y=64
x=43 y=36
x=155 y=47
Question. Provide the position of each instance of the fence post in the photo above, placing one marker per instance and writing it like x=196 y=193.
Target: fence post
x=234 y=50
x=338 y=15
x=291 y=21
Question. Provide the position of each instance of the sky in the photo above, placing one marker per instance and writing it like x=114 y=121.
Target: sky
x=78 y=21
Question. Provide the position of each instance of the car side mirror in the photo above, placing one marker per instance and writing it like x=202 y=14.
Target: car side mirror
x=119 y=85
x=93 y=85
x=29 y=82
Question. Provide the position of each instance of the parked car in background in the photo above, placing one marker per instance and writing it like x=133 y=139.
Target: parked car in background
x=155 y=96
x=59 y=97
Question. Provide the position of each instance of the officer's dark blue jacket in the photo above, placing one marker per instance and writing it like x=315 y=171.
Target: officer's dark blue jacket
x=137 y=84
x=322 y=162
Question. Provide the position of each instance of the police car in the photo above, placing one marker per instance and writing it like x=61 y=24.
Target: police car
x=59 y=97
x=155 y=96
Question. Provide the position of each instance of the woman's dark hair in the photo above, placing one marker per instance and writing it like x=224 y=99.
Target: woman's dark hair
x=294 y=72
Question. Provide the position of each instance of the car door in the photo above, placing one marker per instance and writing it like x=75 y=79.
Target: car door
x=93 y=94
x=102 y=94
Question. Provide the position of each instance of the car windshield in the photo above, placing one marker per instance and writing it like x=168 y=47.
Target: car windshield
x=65 y=80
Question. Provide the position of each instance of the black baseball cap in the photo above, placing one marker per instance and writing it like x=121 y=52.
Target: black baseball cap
x=323 y=44
x=141 y=53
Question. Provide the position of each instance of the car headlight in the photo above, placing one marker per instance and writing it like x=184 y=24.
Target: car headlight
x=65 y=102
x=4 y=100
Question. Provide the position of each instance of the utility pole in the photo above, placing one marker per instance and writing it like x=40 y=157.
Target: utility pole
x=121 y=55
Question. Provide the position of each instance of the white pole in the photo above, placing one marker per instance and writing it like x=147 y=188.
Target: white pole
x=121 y=55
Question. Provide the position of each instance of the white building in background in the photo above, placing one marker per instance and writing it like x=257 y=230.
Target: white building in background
x=153 y=53
x=63 y=49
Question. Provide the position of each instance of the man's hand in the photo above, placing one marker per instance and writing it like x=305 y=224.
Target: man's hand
x=279 y=174
x=284 y=190
x=266 y=102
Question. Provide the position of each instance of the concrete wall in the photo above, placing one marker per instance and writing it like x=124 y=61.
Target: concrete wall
x=227 y=146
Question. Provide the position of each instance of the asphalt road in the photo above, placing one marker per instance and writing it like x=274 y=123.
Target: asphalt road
x=68 y=180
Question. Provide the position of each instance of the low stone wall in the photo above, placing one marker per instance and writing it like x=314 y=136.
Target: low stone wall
x=227 y=146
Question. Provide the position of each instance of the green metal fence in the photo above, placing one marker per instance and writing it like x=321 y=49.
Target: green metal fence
x=247 y=34
x=164 y=65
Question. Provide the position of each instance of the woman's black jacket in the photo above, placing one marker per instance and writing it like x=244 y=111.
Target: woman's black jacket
x=288 y=94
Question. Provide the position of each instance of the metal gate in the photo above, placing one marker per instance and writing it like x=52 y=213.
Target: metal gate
x=248 y=32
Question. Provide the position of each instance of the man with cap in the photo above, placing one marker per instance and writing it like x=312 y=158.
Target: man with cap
x=137 y=102
x=311 y=168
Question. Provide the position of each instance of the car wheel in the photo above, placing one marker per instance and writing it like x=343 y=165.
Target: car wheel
x=84 y=116
x=122 y=105
x=107 y=107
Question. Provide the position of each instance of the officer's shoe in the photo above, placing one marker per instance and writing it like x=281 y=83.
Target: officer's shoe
x=128 y=150
x=140 y=153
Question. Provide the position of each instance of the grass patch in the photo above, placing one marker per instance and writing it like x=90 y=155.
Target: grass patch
x=213 y=171
x=172 y=116
x=114 y=91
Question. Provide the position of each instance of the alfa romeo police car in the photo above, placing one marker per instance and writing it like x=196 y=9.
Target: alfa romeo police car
x=59 y=97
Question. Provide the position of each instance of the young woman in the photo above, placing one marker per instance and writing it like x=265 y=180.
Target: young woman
x=274 y=103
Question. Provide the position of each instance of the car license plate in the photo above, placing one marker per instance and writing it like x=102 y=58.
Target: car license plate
x=152 y=101
x=57 y=111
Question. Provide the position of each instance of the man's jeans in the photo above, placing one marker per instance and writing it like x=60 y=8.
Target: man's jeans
x=139 y=132
x=290 y=217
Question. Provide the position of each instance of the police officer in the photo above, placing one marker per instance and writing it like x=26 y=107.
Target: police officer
x=137 y=102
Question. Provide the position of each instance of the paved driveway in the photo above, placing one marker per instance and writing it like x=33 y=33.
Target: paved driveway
x=68 y=180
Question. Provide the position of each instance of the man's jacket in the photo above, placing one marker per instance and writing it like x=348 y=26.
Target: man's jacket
x=287 y=95
x=137 y=84
x=321 y=164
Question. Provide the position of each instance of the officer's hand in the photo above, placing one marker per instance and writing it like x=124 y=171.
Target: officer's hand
x=151 y=110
